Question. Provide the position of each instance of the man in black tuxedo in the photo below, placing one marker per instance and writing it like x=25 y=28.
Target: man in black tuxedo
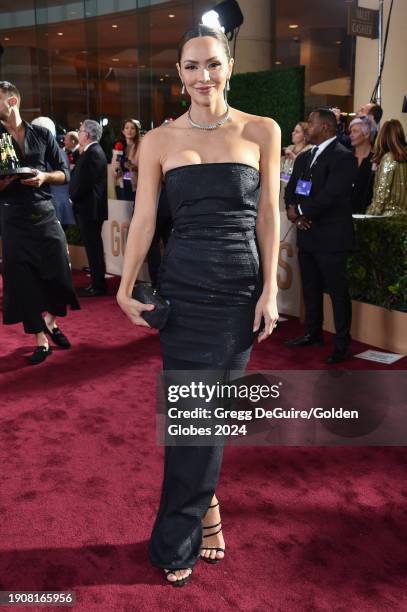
x=318 y=201
x=88 y=191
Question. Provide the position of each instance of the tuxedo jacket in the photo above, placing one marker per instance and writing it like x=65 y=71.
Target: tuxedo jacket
x=88 y=185
x=328 y=205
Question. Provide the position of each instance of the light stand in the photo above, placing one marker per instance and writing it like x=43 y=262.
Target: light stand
x=380 y=54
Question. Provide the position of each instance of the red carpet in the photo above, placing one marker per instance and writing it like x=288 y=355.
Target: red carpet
x=307 y=529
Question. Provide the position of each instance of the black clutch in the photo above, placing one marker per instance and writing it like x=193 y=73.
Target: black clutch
x=145 y=293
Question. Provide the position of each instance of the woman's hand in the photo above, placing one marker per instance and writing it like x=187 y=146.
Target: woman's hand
x=133 y=309
x=266 y=307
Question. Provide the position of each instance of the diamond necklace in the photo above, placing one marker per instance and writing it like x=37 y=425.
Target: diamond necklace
x=211 y=126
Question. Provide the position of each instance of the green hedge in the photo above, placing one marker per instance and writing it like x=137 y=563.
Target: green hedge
x=275 y=93
x=378 y=267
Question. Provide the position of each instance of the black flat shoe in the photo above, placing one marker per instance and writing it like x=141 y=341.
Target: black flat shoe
x=305 y=340
x=57 y=337
x=217 y=548
x=39 y=355
x=181 y=581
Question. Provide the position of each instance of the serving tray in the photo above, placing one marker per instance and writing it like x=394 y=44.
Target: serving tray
x=22 y=173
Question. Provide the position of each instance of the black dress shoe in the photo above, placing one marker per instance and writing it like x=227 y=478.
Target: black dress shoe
x=57 y=337
x=305 y=340
x=338 y=356
x=39 y=355
x=90 y=292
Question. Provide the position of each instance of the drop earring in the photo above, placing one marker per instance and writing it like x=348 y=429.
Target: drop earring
x=227 y=85
x=183 y=88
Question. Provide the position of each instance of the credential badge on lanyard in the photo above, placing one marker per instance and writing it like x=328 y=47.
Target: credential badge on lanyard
x=303 y=187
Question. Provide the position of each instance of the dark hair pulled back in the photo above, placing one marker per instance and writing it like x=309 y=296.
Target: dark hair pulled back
x=203 y=30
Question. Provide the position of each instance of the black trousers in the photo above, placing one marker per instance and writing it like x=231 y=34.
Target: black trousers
x=191 y=474
x=92 y=240
x=326 y=270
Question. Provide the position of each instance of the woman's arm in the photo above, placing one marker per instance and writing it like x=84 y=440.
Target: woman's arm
x=142 y=226
x=268 y=224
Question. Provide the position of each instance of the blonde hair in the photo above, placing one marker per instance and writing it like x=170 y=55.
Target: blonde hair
x=304 y=126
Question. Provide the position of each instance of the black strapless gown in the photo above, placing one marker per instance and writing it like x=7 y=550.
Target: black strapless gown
x=210 y=273
x=211 y=276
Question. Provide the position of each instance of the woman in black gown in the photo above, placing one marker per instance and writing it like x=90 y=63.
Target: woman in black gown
x=221 y=170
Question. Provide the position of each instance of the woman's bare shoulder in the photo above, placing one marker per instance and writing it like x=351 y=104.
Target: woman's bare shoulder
x=153 y=143
x=163 y=134
x=257 y=127
x=255 y=121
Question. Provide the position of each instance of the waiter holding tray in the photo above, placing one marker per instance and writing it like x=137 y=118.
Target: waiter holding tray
x=37 y=276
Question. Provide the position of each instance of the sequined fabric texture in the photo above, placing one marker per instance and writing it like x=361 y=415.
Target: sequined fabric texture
x=390 y=188
x=210 y=272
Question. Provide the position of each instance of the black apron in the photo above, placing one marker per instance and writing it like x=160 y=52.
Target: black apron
x=36 y=271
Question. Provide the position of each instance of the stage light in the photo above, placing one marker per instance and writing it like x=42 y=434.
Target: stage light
x=228 y=17
x=211 y=19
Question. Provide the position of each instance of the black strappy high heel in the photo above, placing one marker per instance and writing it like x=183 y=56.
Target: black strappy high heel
x=217 y=548
x=179 y=582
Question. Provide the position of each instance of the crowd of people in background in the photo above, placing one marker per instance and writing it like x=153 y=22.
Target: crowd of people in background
x=380 y=185
x=88 y=184
x=332 y=173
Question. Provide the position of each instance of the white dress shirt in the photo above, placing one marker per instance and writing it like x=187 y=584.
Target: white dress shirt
x=89 y=145
x=321 y=148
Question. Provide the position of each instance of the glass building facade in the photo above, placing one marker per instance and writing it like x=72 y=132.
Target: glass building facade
x=314 y=34
x=113 y=59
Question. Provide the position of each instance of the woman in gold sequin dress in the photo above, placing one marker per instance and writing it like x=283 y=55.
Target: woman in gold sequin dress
x=390 y=187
